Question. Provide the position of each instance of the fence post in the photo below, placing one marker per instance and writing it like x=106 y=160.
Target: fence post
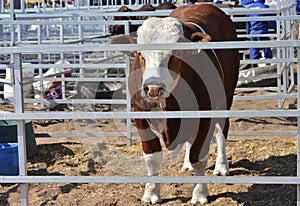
x=128 y=98
x=298 y=126
x=21 y=134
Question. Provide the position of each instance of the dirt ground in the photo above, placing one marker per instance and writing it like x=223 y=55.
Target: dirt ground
x=79 y=156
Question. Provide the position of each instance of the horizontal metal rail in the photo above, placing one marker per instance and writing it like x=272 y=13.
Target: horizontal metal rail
x=123 y=101
x=145 y=179
x=150 y=115
x=96 y=65
x=70 y=101
x=69 y=20
x=277 y=133
x=135 y=134
x=87 y=134
x=58 y=48
x=264 y=97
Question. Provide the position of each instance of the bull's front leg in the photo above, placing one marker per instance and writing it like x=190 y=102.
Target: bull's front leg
x=153 y=158
x=200 y=191
x=152 y=190
x=199 y=159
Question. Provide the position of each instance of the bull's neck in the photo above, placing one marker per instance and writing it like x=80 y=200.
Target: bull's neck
x=158 y=105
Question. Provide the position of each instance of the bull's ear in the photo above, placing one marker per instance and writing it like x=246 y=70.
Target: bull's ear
x=199 y=36
x=124 y=39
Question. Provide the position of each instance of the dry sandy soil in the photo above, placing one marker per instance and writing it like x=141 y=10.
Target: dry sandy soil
x=248 y=156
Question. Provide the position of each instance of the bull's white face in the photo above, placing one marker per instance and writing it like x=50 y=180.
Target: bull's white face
x=158 y=79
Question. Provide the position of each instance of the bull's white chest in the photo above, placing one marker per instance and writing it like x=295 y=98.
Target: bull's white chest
x=158 y=125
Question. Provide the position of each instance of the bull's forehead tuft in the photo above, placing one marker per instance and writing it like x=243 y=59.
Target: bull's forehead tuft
x=159 y=30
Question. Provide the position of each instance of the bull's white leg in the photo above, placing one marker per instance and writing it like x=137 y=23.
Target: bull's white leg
x=200 y=191
x=221 y=167
x=186 y=163
x=152 y=190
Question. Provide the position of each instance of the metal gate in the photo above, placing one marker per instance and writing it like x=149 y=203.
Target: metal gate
x=78 y=41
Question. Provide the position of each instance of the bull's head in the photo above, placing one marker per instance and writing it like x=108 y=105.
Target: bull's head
x=158 y=80
x=159 y=74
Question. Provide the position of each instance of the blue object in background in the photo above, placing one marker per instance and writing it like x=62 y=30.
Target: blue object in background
x=8 y=134
x=259 y=27
x=246 y=2
x=9 y=160
x=298 y=7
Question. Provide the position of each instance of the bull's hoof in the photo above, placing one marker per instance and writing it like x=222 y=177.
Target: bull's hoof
x=187 y=167
x=200 y=194
x=151 y=198
x=201 y=199
x=152 y=193
x=221 y=170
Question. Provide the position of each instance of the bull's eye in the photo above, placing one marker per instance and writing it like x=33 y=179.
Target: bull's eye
x=140 y=55
x=141 y=61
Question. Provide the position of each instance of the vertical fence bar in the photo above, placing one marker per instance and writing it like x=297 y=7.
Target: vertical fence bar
x=19 y=108
x=283 y=69
x=128 y=98
x=22 y=2
x=1 y=25
x=298 y=126
x=292 y=29
x=126 y=29
x=61 y=32
x=12 y=26
x=1 y=7
x=279 y=55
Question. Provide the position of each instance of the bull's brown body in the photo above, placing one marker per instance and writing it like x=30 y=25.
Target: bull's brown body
x=220 y=28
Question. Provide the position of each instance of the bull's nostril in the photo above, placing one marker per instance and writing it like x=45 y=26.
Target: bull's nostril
x=161 y=90
x=146 y=89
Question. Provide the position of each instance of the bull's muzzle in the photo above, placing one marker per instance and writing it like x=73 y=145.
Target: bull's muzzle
x=154 y=88
x=154 y=91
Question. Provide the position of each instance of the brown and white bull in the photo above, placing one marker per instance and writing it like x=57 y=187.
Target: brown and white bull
x=188 y=80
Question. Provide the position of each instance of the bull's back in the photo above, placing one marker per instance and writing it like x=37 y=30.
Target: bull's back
x=213 y=20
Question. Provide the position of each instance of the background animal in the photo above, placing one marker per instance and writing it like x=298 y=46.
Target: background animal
x=119 y=29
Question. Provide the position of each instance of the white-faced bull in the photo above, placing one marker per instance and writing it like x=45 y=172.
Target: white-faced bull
x=187 y=80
